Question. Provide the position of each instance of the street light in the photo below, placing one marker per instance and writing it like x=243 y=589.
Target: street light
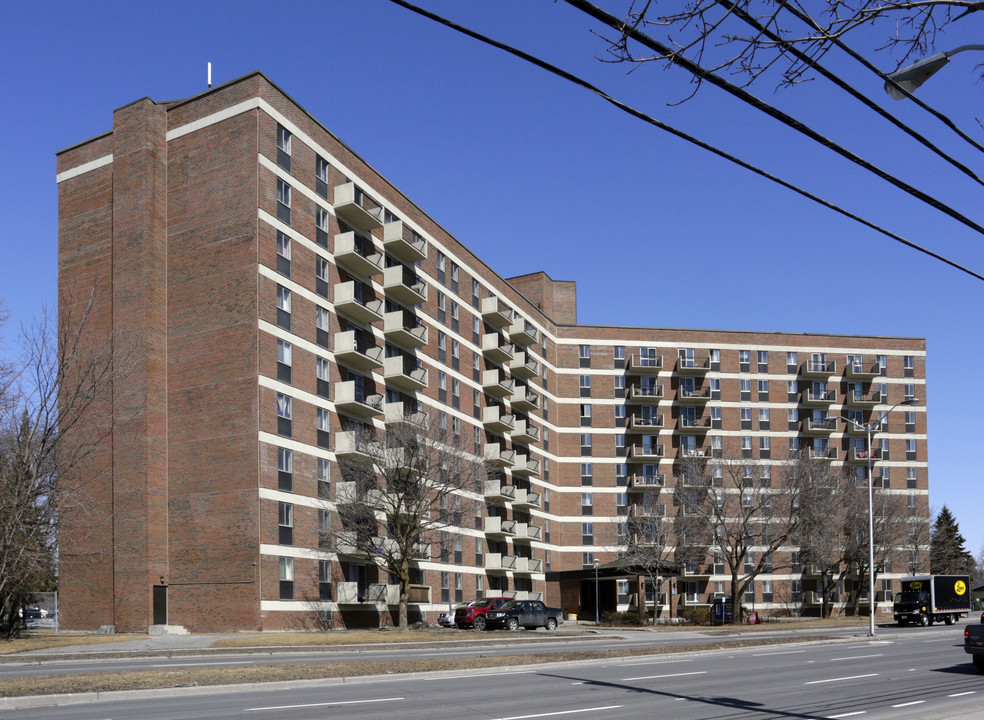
x=869 y=428
x=912 y=76
x=597 y=606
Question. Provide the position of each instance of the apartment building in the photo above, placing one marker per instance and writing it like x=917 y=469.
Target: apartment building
x=269 y=293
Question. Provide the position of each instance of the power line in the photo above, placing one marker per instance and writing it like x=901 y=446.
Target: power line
x=773 y=112
x=680 y=134
x=863 y=99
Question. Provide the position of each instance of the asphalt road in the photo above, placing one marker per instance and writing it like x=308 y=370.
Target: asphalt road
x=898 y=675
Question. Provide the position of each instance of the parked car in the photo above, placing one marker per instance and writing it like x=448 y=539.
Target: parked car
x=33 y=613
x=446 y=618
x=529 y=614
x=474 y=613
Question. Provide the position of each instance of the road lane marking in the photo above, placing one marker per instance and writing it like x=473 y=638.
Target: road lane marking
x=914 y=702
x=324 y=704
x=787 y=652
x=969 y=692
x=850 y=677
x=504 y=673
x=657 y=677
x=560 y=712
x=655 y=662
x=856 y=657
x=843 y=715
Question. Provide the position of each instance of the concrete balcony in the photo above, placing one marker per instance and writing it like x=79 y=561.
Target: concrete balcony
x=381 y=594
x=647 y=510
x=524 y=399
x=647 y=481
x=396 y=329
x=496 y=349
x=819 y=427
x=345 y=545
x=526 y=432
x=818 y=368
x=494 y=419
x=862 y=371
x=646 y=453
x=347 y=593
x=497 y=527
x=352 y=402
x=822 y=453
x=645 y=394
x=400 y=373
x=693 y=425
x=496 y=384
x=522 y=333
x=403 y=243
x=693 y=395
x=495 y=455
x=351 y=205
x=861 y=457
x=645 y=364
x=346 y=446
x=526 y=499
x=860 y=399
x=696 y=365
x=498 y=491
x=419 y=595
x=348 y=304
x=527 y=566
x=357 y=254
x=354 y=352
x=820 y=397
x=643 y=423
x=494 y=313
x=404 y=286
x=524 y=467
x=499 y=563
x=534 y=533
x=395 y=413
x=523 y=366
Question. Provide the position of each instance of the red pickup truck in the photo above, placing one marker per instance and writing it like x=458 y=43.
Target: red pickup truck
x=473 y=614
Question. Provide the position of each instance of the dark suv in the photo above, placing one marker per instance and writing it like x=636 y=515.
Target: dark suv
x=529 y=614
x=473 y=614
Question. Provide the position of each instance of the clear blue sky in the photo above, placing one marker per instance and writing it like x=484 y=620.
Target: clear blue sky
x=533 y=173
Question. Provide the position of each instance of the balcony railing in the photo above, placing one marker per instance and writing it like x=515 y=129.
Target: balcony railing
x=357 y=254
x=643 y=481
x=496 y=420
x=859 y=399
x=495 y=455
x=496 y=384
x=822 y=453
x=862 y=371
x=396 y=413
x=645 y=422
x=495 y=525
x=862 y=456
x=404 y=329
x=687 y=365
x=495 y=313
x=403 y=285
x=352 y=401
x=523 y=398
x=644 y=394
x=819 y=368
x=403 y=243
x=523 y=366
x=352 y=206
x=823 y=426
x=495 y=348
x=526 y=499
x=693 y=394
x=645 y=452
x=694 y=424
x=497 y=490
x=354 y=351
x=526 y=432
x=820 y=397
x=645 y=364
x=404 y=374
x=522 y=333
x=347 y=303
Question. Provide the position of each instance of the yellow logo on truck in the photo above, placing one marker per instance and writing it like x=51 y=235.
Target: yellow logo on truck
x=915 y=585
x=960 y=587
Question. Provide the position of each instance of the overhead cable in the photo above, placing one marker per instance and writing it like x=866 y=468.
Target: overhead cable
x=680 y=134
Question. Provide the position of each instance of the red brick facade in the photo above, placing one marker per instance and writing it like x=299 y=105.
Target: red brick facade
x=174 y=220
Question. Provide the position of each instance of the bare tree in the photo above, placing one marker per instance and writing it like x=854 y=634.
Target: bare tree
x=825 y=499
x=400 y=490
x=649 y=539
x=745 y=514
x=749 y=39
x=889 y=530
x=46 y=396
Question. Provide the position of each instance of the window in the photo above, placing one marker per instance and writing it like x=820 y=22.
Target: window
x=456 y=393
x=910 y=392
x=283 y=254
x=763 y=389
x=286 y=578
x=283 y=414
x=454 y=278
x=286 y=523
x=324 y=428
x=764 y=445
x=587 y=501
x=744 y=358
x=324 y=478
x=763 y=414
x=585 y=414
x=791 y=360
x=321 y=177
x=762 y=356
x=285 y=469
x=585 y=385
x=912 y=501
x=283 y=147
x=746 y=389
x=583 y=352
x=746 y=442
x=324 y=578
x=766 y=591
x=323 y=368
x=321 y=276
x=283 y=307
x=908 y=362
x=587 y=559
x=620 y=441
x=911 y=478
x=284 y=352
x=746 y=418
x=585 y=443
x=283 y=202
x=620 y=383
x=619 y=413
x=619 y=352
x=910 y=449
x=442 y=262
x=587 y=533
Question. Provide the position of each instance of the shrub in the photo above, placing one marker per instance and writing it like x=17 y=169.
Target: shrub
x=696 y=615
x=632 y=619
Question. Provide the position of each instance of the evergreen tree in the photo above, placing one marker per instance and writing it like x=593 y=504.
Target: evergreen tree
x=947 y=554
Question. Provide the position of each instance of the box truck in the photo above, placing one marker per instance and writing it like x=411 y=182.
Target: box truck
x=928 y=599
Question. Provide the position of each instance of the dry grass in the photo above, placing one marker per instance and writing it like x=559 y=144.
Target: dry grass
x=42 y=641
x=147 y=679
x=354 y=637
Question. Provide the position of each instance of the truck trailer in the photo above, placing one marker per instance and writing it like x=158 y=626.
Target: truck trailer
x=928 y=599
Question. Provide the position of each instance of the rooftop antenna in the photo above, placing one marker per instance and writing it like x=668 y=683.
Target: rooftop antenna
x=210 y=75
